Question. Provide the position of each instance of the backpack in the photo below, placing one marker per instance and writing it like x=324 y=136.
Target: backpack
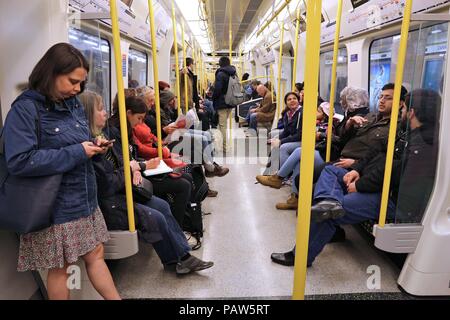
x=234 y=95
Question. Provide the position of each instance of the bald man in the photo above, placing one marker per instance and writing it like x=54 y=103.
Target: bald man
x=266 y=111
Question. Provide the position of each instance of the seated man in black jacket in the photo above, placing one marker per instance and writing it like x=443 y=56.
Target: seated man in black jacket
x=350 y=197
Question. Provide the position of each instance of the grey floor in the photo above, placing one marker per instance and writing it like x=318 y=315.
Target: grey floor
x=241 y=233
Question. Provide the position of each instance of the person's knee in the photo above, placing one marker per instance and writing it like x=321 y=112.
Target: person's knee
x=94 y=255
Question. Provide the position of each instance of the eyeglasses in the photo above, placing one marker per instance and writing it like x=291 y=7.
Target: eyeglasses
x=386 y=98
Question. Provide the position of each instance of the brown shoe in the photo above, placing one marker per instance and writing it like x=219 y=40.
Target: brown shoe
x=273 y=181
x=290 y=204
x=212 y=193
x=218 y=171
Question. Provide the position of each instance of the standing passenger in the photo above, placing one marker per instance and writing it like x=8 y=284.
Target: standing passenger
x=78 y=228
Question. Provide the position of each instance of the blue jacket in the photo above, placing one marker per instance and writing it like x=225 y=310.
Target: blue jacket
x=221 y=87
x=292 y=129
x=63 y=129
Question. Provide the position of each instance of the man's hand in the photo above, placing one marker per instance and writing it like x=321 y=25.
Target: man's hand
x=352 y=188
x=137 y=178
x=351 y=177
x=344 y=163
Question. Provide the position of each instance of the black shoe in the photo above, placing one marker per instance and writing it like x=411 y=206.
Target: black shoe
x=339 y=235
x=285 y=258
x=326 y=209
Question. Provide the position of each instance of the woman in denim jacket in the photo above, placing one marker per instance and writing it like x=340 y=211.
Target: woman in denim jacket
x=65 y=147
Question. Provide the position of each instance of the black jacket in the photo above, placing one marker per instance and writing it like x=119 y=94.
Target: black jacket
x=292 y=129
x=221 y=87
x=111 y=195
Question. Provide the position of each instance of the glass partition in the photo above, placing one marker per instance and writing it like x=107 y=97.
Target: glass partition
x=137 y=71
x=326 y=65
x=98 y=53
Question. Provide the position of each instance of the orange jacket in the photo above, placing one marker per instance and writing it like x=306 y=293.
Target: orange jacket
x=147 y=143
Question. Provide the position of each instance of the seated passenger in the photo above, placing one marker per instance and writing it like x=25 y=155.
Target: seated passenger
x=265 y=112
x=292 y=166
x=350 y=197
x=178 y=187
x=155 y=222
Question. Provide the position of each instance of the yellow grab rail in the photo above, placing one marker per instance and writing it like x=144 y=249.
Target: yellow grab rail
x=294 y=67
x=185 y=77
x=177 y=66
x=333 y=79
x=280 y=63
x=394 y=112
x=122 y=114
x=272 y=80
x=308 y=145
x=230 y=31
x=155 y=77
x=276 y=13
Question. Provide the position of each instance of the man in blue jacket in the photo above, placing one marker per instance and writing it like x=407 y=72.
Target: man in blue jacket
x=223 y=75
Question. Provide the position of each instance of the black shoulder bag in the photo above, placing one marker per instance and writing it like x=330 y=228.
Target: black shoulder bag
x=26 y=202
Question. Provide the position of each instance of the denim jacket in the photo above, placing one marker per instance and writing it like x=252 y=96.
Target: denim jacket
x=63 y=127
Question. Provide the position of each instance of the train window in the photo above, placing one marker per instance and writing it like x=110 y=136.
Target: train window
x=424 y=78
x=427 y=47
x=326 y=64
x=137 y=71
x=98 y=53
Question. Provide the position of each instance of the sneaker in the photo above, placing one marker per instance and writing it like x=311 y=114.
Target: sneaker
x=192 y=264
x=218 y=171
x=272 y=181
x=290 y=204
x=212 y=193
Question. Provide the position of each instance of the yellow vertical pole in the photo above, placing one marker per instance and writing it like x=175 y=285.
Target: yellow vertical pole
x=122 y=114
x=394 y=112
x=185 y=77
x=280 y=63
x=177 y=66
x=308 y=145
x=333 y=79
x=272 y=80
x=155 y=77
x=294 y=69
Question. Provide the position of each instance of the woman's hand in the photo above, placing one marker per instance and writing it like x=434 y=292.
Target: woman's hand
x=91 y=149
x=275 y=143
x=134 y=166
x=344 y=163
x=152 y=163
x=352 y=188
x=137 y=178
x=170 y=129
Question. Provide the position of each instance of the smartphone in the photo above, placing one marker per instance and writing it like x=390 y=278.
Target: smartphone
x=107 y=143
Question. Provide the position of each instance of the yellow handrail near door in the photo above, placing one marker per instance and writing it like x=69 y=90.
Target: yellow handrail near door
x=122 y=114
x=185 y=77
x=333 y=79
x=394 y=113
x=155 y=77
x=308 y=145
x=280 y=64
x=230 y=31
x=177 y=66
x=294 y=67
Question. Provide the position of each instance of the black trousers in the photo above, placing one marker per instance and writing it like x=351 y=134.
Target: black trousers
x=177 y=192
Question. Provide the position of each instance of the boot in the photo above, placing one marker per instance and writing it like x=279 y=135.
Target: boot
x=273 y=181
x=290 y=204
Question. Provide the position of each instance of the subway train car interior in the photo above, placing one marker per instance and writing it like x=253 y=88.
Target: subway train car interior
x=224 y=149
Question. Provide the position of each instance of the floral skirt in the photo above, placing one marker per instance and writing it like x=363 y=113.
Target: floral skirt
x=61 y=244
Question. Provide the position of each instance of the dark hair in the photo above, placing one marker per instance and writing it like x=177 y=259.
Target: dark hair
x=255 y=83
x=299 y=86
x=133 y=84
x=60 y=59
x=189 y=61
x=391 y=86
x=291 y=94
x=224 y=61
x=133 y=104
x=245 y=76
x=426 y=104
x=129 y=92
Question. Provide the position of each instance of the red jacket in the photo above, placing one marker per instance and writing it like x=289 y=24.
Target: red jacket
x=147 y=143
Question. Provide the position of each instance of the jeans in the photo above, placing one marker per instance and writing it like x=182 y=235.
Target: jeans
x=253 y=122
x=286 y=149
x=292 y=166
x=196 y=146
x=173 y=245
x=358 y=207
